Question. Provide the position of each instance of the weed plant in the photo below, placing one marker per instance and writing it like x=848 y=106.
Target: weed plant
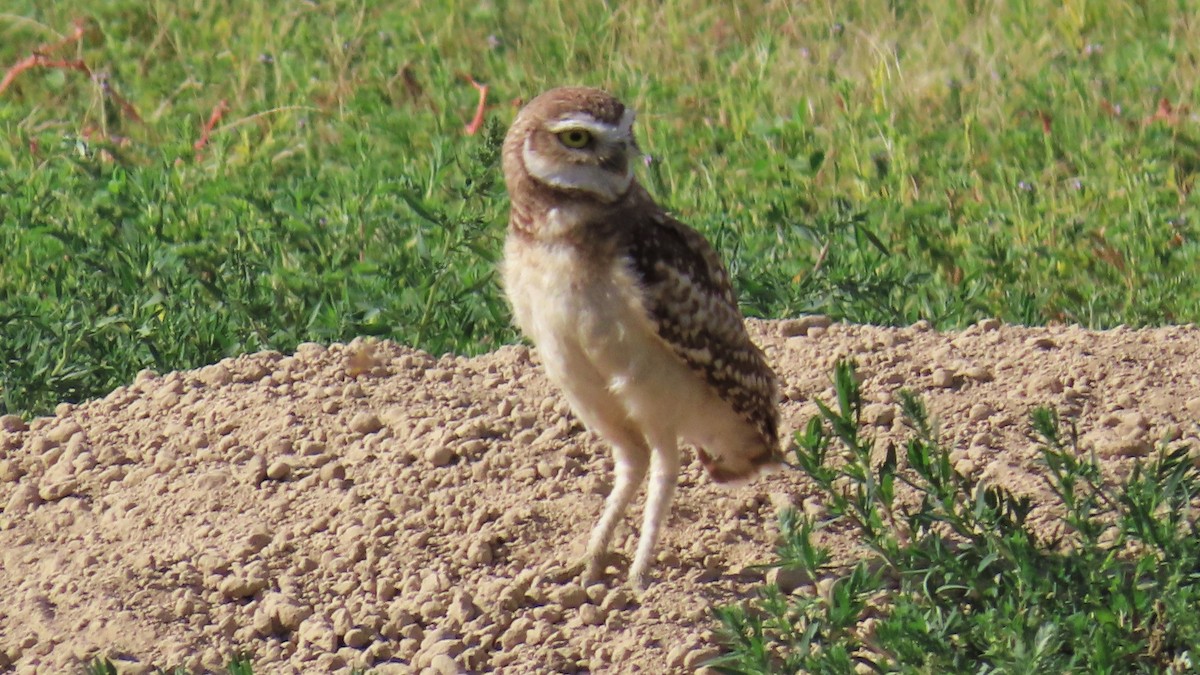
x=961 y=580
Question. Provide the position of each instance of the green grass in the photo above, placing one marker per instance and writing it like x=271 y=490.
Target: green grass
x=952 y=160
x=962 y=581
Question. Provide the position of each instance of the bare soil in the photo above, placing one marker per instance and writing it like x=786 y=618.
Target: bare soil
x=370 y=505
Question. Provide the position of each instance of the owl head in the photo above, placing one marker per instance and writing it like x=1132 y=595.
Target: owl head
x=574 y=140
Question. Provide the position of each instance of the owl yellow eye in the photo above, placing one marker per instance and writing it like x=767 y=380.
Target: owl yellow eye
x=575 y=138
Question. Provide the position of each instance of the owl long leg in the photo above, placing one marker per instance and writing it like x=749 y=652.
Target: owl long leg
x=632 y=459
x=664 y=474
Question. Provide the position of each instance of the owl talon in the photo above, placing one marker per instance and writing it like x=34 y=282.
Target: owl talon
x=588 y=568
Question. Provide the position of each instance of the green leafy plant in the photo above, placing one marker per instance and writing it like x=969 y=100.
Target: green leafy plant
x=99 y=666
x=956 y=577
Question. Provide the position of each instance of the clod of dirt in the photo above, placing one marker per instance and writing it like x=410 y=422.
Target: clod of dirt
x=372 y=505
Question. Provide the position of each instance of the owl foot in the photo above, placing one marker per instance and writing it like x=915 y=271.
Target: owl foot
x=589 y=568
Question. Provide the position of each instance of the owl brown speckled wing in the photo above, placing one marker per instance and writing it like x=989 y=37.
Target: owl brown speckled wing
x=691 y=303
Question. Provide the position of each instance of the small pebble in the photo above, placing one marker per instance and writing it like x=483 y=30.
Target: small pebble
x=24 y=498
x=788 y=579
x=12 y=424
x=1123 y=447
x=1044 y=384
x=438 y=455
x=365 y=423
x=257 y=541
x=357 y=637
x=331 y=472
x=310 y=448
x=980 y=411
x=10 y=471
x=215 y=376
x=596 y=592
x=591 y=615
x=516 y=633
x=693 y=660
x=443 y=664
x=979 y=373
x=289 y=612
x=279 y=470
x=431 y=610
x=461 y=610
x=943 y=379
x=64 y=431
x=803 y=325
x=237 y=587
x=879 y=414
x=255 y=470
x=569 y=596
x=53 y=492
x=318 y=632
x=1193 y=407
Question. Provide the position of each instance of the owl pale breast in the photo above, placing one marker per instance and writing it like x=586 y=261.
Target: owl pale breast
x=645 y=353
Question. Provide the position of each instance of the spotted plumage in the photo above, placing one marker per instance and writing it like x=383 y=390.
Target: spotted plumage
x=692 y=305
x=632 y=311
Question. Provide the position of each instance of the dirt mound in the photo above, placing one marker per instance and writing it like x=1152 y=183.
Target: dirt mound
x=371 y=505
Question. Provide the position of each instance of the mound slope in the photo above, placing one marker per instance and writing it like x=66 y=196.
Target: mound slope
x=372 y=505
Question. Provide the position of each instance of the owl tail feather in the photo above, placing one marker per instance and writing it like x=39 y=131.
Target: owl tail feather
x=741 y=469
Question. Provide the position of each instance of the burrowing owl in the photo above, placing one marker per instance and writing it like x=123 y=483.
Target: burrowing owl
x=631 y=311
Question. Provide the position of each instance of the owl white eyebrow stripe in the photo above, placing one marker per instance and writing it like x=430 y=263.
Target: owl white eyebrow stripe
x=587 y=122
x=626 y=123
